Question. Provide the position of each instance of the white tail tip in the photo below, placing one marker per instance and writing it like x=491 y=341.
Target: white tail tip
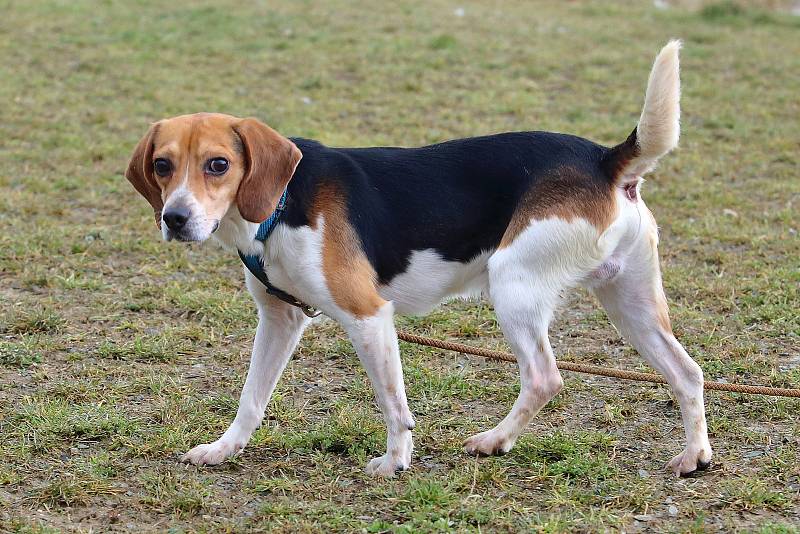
x=659 y=125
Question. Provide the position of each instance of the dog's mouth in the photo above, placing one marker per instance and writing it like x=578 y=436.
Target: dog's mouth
x=182 y=237
x=189 y=236
x=185 y=239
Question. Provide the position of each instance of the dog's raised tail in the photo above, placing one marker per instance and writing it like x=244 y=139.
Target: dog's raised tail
x=659 y=125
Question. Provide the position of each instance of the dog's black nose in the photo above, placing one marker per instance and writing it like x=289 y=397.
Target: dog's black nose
x=176 y=218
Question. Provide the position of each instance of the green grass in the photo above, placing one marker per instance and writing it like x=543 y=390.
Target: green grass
x=119 y=352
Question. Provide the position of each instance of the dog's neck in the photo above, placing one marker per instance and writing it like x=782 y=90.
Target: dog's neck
x=235 y=233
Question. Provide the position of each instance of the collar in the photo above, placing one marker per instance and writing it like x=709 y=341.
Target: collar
x=266 y=227
x=255 y=263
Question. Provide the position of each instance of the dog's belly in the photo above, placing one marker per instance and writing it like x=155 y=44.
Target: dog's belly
x=430 y=279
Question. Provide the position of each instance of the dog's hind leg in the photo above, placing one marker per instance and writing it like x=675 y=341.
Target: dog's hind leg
x=635 y=302
x=280 y=326
x=525 y=281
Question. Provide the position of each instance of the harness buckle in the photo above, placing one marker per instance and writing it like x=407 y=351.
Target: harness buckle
x=309 y=311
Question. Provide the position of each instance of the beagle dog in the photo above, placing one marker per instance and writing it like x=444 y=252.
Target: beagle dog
x=364 y=233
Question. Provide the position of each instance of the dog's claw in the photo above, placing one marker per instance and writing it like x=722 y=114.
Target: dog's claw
x=386 y=466
x=701 y=466
x=690 y=463
x=210 y=453
x=488 y=444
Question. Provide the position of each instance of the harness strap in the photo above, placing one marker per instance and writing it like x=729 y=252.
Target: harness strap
x=255 y=263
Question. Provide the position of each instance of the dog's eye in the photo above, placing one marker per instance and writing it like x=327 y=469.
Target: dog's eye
x=162 y=167
x=217 y=166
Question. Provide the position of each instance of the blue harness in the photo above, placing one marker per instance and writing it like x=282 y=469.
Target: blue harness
x=255 y=263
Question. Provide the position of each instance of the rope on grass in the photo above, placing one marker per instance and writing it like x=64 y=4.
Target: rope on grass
x=596 y=369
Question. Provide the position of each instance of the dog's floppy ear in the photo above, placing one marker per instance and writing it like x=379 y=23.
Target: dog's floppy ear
x=140 y=172
x=270 y=161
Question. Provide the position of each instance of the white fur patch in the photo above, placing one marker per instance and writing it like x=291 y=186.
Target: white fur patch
x=430 y=279
x=199 y=226
x=375 y=342
x=235 y=233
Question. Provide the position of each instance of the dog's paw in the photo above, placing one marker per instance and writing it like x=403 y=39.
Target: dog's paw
x=396 y=459
x=387 y=466
x=211 y=453
x=489 y=443
x=690 y=461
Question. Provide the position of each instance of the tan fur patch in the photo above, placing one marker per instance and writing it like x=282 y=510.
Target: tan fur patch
x=567 y=194
x=662 y=315
x=541 y=345
x=349 y=275
x=140 y=172
x=662 y=309
x=271 y=161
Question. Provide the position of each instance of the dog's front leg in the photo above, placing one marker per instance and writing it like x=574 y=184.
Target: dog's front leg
x=271 y=352
x=375 y=341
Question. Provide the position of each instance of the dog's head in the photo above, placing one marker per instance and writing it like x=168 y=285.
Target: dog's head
x=194 y=168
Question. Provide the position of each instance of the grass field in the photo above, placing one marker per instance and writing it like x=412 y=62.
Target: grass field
x=119 y=352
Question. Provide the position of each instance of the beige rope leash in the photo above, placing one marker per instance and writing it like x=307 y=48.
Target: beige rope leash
x=596 y=369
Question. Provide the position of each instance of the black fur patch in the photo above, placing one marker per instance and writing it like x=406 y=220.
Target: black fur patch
x=456 y=197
